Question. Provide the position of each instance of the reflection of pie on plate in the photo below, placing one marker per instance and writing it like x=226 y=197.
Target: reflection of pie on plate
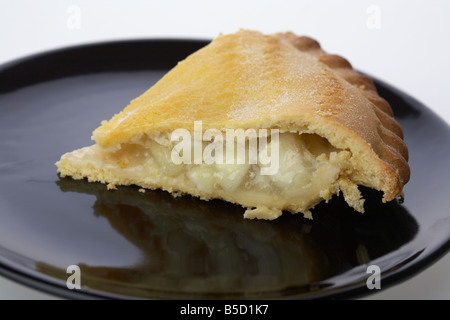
x=335 y=131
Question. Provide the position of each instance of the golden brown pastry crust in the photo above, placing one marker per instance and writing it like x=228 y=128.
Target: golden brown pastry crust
x=250 y=80
x=391 y=148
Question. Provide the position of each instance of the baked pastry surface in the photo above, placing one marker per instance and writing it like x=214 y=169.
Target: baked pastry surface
x=336 y=132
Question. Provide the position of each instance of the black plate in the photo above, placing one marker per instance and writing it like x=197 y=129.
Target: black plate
x=134 y=245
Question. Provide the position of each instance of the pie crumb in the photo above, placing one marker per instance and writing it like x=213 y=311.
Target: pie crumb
x=111 y=186
x=308 y=215
x=141 y=190
x=262 y=212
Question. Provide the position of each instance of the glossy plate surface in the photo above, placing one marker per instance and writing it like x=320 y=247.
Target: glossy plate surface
x=133 y=245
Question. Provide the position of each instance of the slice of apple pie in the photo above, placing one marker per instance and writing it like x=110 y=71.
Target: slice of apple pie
x=269 y=122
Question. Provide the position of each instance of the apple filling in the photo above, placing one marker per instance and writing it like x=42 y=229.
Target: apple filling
x=309 y=171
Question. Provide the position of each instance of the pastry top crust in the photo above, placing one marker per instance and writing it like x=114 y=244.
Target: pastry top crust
x=250 y=80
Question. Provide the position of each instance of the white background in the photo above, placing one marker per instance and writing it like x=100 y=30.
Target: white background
x=403 y=42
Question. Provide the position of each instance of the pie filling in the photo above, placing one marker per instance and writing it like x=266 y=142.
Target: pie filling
x=309 y=171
